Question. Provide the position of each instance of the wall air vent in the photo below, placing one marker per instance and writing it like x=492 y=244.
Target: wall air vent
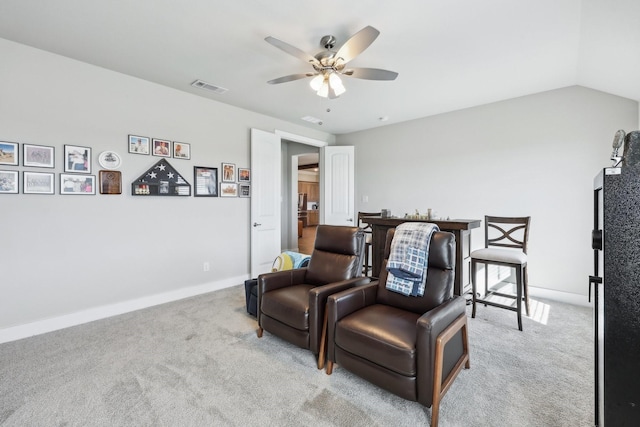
x=208 y=86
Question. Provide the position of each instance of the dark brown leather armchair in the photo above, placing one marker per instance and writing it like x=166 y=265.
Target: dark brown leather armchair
x=403 y=344
x=291 y=303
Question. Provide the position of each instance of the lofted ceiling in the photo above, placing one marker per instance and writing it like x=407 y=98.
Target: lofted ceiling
x=449 y=54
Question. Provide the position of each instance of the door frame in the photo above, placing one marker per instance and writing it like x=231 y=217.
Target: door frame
x=292 y=225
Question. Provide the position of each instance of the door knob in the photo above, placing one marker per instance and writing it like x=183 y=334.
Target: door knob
x=349 y=220
x=255 y=224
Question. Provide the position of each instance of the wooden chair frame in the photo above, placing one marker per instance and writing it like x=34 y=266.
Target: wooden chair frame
x=522 y=280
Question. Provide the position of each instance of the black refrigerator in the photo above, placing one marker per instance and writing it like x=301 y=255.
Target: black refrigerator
x=616 y=289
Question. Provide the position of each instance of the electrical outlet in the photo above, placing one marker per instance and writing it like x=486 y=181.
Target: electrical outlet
x=205 y=266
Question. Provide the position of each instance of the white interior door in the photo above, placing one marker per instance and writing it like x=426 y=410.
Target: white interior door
x=265 y=200
x=337 y=185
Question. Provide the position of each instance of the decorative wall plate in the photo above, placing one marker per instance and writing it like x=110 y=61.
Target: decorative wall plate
x=109 y=160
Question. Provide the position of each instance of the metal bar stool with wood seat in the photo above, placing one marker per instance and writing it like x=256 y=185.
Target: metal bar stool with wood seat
x=505 y=245
x=367 y=239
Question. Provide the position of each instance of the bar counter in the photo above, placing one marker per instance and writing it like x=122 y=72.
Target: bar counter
x=461 y=228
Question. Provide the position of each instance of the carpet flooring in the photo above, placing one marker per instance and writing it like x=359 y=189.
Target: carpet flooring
x=198 y=362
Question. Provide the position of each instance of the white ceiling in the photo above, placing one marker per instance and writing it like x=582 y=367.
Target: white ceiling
x=450 y=54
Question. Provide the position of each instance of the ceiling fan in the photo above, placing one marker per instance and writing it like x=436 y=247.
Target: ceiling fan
x=328 y=65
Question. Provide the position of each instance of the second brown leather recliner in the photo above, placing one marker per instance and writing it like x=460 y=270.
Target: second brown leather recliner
x=411 y=346
x=291 y=303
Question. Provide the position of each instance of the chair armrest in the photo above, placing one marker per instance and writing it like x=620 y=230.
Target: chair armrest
x=280 y=279
x=317 y=305
x=429 y=326
x=277 y=280
x=344 y=303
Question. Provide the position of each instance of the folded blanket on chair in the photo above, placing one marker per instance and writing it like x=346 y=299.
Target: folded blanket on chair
x=408 y=257
x=289 y=260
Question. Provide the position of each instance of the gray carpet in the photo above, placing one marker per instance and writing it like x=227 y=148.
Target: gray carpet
x=198 y=362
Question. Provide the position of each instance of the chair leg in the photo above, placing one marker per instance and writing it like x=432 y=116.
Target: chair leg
x=526 y=290
x=329 y=367
x=260 y=330
x=365 y=267
x=519 y=287
x=486 y=281
x=473 y=288
x=323 y=342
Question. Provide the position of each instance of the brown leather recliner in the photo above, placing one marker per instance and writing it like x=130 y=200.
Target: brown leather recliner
x=403 y=344
x=291 y=303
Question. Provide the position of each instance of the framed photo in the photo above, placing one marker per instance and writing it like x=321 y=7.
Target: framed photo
x=8 y=182
x=244 y=175
x=110 y=182
x=77 y=159
x=206 y=181
x=181 y=150
x=39 y=156
x=245 y=190
x=8 y=153
x=37 y=183
x=139 y=144
x=228 y=172
x=77 y=184
x=228 y=189
x=161 y=147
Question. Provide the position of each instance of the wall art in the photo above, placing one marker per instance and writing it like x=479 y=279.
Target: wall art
x=110 y=182
x=37 y=183
x=109 y=160
x=8 y=153
x=161 y=180
x=205 y=181
x=139 y=144
x=40 y=156
x=181 y=150
x=161 y=147
x=245 y=190
x=77 y=184
x=228 y=172
x=77 y=159
x=244 y=175
x=8 y=182
x=228 y=189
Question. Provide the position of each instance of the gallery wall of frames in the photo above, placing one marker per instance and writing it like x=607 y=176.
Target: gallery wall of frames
x=32 y=169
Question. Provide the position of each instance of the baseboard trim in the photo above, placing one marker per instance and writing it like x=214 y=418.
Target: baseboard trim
x=72 y=319
x=560 y=296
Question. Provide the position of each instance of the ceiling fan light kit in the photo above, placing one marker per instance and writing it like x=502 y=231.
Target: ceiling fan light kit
x=327 y=83
x=329 y=65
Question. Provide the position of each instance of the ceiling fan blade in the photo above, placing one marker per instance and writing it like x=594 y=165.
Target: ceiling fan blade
x=292 y=50
x=357 y=44
x=371 y=74
x=290 y=78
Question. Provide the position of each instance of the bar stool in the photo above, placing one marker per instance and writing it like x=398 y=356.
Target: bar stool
x=505 y=245
x=367 y=239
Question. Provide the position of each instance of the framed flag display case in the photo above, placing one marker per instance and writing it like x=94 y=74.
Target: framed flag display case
x=161 y=180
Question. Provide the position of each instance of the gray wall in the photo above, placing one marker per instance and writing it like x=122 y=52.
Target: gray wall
x=63 y=255
x=536 y=155
x=66 y=256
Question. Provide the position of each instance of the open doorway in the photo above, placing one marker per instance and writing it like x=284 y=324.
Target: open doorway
x=308 y=200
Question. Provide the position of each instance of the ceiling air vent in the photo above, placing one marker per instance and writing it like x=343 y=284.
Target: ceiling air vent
x=312 y=119
x=208 y=86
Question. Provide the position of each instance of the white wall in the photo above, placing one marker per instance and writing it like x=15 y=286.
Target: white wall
x=536 y=155
x=63 y=255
